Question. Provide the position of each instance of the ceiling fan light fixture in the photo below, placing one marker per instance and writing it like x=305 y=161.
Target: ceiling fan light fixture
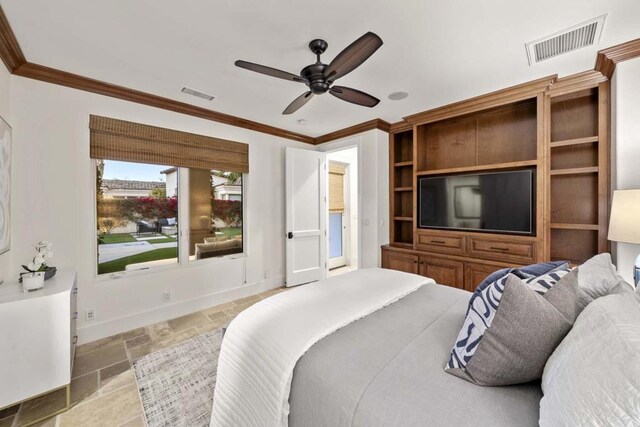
x=397 y=96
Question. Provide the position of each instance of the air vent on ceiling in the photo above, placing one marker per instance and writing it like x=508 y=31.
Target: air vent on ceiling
x=197 y=93
x=579 y=36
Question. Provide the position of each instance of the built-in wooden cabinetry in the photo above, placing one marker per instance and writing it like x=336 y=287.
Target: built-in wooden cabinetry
x=557 y=127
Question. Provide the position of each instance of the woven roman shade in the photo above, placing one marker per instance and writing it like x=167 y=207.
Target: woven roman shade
x=113 y=139
x=336 y=187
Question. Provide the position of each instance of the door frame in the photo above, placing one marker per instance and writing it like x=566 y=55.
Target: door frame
x=358 y=224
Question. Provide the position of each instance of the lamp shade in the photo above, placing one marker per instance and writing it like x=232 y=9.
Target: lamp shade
x=625 y=217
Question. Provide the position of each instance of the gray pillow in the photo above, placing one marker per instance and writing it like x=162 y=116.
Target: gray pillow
x=524 y=331
x=598 y=277
x=593 y=377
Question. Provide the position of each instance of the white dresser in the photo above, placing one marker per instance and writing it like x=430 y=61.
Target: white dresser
x=37 y=338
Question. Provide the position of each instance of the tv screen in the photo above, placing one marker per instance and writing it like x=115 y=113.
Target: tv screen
x=494 y=202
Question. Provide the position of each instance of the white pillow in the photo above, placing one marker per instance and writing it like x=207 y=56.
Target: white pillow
x=171 y=221
x=598 y=277
x=593 y=376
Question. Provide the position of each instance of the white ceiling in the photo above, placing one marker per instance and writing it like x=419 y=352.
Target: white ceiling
x=438 y=51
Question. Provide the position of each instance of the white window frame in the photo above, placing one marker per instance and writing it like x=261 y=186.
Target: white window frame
x=183 y=230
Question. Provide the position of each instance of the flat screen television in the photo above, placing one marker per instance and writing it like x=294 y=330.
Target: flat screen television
x=502 y=202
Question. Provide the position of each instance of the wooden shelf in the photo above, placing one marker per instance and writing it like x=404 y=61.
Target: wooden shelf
x=566 y=226
x=403 y=218
x=480 y=168
x=575 y=171
x=403 y=189
x=401 y=164
x=577 y=141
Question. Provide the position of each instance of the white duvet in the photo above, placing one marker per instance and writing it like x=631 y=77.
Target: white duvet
x=263 y=344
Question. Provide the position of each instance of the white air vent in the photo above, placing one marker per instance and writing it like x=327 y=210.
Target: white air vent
x=579 y=36
x=197 y=93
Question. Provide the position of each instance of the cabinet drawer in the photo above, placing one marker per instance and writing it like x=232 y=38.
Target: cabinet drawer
x=401 y=261
x=439 y=243
x=502 y=250
x=443 y=271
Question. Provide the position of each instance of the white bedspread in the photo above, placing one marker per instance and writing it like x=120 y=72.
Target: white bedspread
x=263 y=344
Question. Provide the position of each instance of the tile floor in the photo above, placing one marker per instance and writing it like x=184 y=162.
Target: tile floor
x=103 y=388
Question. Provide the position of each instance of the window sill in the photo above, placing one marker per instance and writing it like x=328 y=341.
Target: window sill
x=177 y=266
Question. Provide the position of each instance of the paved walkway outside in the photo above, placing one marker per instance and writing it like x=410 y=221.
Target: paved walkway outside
x=115 y=251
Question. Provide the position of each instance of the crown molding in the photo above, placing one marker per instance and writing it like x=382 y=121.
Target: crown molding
x=494 y=99
x=400 y=126
x=576 y=83
x=353 y=130
x=75 y=81
x=10 y=51
x=608 y=58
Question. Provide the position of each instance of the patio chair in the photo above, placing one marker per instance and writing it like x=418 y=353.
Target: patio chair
x=146 y=227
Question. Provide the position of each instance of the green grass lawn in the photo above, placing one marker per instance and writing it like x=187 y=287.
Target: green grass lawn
x=120 y=264
x=231 y=231
x=108 y=239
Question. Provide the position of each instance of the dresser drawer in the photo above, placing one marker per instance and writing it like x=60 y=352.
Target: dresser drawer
x=440 y=243
x=502 y=250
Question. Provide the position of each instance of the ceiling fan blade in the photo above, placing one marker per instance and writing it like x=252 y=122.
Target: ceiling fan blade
x=273 y=72
x=298 y=103
x=352 y=56
x=354 y=96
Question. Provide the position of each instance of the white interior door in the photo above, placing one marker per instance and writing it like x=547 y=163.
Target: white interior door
x=306 y=183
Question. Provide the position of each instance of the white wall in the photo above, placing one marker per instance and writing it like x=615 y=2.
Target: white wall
x=373 y=205
x=349 y=157
x=5 y=113
x=626 y=143
x=53 y=199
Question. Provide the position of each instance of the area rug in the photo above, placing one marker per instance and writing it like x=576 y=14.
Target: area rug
x=176 y=384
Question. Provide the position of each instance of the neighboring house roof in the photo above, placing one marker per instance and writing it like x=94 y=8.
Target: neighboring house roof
x=123 y=184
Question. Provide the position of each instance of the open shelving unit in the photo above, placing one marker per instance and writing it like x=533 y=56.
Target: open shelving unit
x=402 y=184
x=579 y=173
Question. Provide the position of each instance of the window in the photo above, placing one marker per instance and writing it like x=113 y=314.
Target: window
x=215 y=213
x=136 y=217
x=139 y=217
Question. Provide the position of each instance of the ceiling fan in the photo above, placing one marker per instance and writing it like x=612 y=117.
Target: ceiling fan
x=319 y=77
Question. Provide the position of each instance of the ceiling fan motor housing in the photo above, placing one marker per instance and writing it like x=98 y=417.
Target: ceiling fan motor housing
x=315 y=75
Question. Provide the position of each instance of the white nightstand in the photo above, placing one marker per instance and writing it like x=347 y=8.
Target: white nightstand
x=37 y=338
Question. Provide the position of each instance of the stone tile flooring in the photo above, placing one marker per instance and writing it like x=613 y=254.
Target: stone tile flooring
x=103 y=388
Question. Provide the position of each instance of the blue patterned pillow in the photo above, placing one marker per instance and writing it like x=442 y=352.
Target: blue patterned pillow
x=533 y=270
x=483 y=306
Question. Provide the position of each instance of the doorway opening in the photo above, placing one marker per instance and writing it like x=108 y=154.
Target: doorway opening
x=342 y=207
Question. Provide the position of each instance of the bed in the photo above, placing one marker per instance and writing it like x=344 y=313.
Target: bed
x=387 y=370
x=336 y=358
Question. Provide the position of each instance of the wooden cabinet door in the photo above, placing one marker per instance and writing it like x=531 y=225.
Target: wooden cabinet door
x=475 y=273
x=401 y=261
x=443 y=271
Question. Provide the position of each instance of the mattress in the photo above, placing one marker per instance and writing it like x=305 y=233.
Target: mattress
x=386 y=369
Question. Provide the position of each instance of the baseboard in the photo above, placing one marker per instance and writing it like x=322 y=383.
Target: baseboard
x=115 y=326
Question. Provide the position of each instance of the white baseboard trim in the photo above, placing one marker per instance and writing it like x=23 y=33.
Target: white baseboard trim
x=115 y=326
